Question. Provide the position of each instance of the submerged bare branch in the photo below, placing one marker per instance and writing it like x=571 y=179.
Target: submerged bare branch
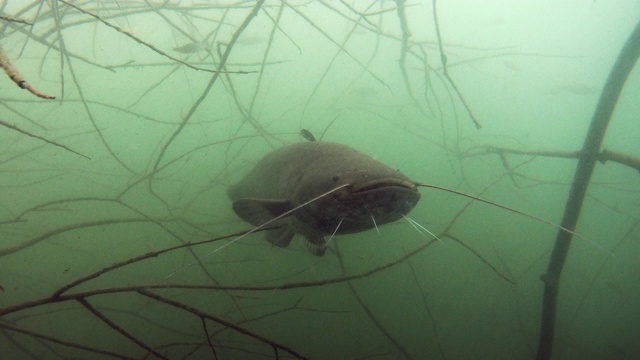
x=86 y=246
x=13 y=73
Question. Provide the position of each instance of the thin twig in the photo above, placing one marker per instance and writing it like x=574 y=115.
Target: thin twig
x=63 y=342
x=50 y=233
x=328 y=37
x=51 y=142
x=286 y=286
x=220 y=321
x=119 y=328
x=148 y=255
x=10 y=19
x=206 y=334
x=434 y=325
x=370 y=313
x=404 y=48
x=443 y=59
x=479 y=256
x=603 y=156
x=14 y=75
x=65 y=55
x=146 y=44
x=214 y=78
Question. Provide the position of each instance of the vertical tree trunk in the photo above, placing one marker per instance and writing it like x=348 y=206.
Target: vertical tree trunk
x=608 y=99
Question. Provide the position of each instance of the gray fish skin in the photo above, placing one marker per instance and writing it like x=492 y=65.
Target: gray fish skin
x=294 y=174
x=190 y=48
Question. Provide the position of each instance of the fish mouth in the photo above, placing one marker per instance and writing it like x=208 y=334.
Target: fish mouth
x=382 y=183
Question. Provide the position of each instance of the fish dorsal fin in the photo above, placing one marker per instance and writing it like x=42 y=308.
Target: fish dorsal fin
x=258 y=211
x=307 y=135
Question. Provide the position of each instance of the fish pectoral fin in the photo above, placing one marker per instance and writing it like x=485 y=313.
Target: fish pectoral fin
x=258 y=211
x=316 y=244
x=280 y=237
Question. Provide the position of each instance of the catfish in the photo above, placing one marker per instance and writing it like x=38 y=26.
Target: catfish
x=288 y=183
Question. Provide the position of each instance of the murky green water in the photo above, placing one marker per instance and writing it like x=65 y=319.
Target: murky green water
x=166 y=104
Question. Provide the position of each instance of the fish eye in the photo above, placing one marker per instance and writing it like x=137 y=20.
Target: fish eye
x=335 y=178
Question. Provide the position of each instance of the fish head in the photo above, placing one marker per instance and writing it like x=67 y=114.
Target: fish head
x=367 y=196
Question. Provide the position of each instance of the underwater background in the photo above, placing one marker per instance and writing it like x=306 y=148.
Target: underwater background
x=106 y=190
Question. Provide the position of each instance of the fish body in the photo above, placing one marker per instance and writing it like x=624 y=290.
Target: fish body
x=371 y=193
x=190 y=48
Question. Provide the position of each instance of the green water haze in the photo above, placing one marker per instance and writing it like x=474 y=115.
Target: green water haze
x=118 y=239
